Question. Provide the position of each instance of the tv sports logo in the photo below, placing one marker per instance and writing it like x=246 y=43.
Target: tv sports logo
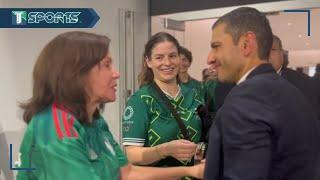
x=19 y=17
x=48 y=17
x=22 y=17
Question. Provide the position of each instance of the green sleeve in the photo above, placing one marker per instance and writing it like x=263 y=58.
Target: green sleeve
x=67 y=158
x=135 y=120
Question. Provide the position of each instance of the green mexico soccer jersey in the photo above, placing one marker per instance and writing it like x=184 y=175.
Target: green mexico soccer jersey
x=208 y=89
x=148 y=122
x=192 y=83
x=57 y=146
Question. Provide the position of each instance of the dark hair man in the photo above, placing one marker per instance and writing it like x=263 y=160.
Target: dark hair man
x=265 y=128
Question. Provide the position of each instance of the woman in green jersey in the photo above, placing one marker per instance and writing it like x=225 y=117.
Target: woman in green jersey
x=151 y=134
x=67 y=138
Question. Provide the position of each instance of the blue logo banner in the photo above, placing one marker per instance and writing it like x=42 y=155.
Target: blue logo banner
x=48 y=17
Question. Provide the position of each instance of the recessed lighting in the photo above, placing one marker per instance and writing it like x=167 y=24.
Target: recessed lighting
x=307 y=44
x=300 y=36
x=289 y=24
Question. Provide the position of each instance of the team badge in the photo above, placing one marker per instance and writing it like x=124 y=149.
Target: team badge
x=128 y=113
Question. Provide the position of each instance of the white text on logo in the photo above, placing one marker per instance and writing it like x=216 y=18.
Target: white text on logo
x=51 y=17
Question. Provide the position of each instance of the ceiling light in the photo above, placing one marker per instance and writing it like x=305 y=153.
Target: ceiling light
x=289 y=24
x=300 y=36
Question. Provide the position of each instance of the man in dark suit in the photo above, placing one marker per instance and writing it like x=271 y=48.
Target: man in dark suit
x=300 y=80
x=265 y=129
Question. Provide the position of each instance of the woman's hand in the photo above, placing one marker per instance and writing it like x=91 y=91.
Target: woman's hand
x=180 y=149
x=197 y=171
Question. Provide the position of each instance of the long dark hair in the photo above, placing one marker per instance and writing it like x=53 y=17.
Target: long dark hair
x=58 y=75
x=146 y=75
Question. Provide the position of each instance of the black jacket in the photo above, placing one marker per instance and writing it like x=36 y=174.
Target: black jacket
x=308 y=86
x=265 y=130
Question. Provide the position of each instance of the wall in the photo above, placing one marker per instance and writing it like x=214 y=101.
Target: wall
x=19 y=49
x=157 y=25
x=198 y=36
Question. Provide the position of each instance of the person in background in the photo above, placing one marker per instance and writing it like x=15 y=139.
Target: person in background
x=185 y=79
x=205 y=74
x=300 y=80
x=208 y=112
x=209 y=86
x=317 y=73
x=215 y=93
x=67 y=137
x=151 y=134
x=208 y=75
x=316 y=80
x=266 y=128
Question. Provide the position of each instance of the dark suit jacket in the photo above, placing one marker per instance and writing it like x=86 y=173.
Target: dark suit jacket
x=221 y=91
x=308 y=86
x=265 y=130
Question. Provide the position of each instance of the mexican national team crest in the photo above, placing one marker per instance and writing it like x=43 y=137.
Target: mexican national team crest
x=128 y=113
